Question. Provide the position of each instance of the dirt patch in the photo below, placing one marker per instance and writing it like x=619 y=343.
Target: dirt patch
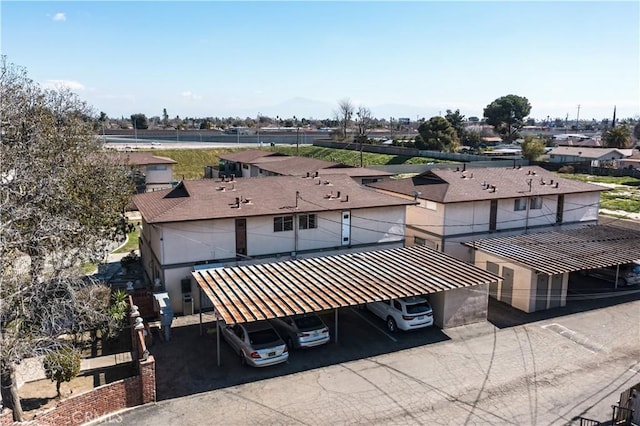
x=40 y=395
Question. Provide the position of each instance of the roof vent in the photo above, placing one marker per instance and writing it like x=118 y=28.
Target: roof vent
x=220 y=188
x=556 y=185
x=346 y=199
x=492 y=188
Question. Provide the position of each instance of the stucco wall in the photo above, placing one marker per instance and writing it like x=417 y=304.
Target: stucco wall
x=452 y=308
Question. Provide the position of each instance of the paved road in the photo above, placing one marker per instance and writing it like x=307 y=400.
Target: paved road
x=541 y=373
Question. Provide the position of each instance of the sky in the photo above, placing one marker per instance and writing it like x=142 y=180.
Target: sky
x=409 y=59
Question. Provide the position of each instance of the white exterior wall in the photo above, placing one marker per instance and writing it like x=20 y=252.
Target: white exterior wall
x=158 y=174
x=198 y=240
x=466 y=218
x=582 y=207
x=378 y=225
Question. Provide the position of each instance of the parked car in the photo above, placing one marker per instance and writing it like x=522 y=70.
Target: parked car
x=407 y=313
x=303 y=331
x=256 y=343
x=628 y=274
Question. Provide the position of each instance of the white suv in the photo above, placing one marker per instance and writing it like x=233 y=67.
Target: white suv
x=406 y=313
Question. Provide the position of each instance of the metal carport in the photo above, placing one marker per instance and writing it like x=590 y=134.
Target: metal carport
x=264 y=291
x=554 y=255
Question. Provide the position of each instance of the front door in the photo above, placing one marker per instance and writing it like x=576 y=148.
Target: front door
x=241 y=238
x=346 y=228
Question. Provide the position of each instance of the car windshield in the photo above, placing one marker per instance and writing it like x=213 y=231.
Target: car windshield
x=308 y=323
x=418 y=308
x=262 y=337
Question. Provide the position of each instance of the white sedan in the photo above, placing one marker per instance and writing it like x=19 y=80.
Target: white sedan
x=256 y=343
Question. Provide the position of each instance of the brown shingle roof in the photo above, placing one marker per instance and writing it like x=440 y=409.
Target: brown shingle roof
x=354 y=172
x=451 y=186
x=140 y=158
x=293 y=166
x=248 y=156
x=213 y=199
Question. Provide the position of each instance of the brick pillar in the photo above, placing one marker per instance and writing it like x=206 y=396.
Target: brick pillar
x=148 y=380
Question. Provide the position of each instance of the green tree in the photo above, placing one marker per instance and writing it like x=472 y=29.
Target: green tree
x=457 y=121
x=617 y=137
x=61 y=366
x=507 y=114
x=165 y=118
x=437 y=134
x=472 y=139
x=532 y=148
x=61 y=199
x=139 y=121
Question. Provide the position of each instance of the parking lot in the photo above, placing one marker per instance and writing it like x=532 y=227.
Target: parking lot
x=187 y=363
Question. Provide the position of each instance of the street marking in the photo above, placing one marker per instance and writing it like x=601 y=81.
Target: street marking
x=374 y=325
x=574 y=337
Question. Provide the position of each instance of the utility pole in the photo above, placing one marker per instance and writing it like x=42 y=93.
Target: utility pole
x=578 y=118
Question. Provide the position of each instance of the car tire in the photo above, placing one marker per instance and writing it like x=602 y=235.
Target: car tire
x=391 y=325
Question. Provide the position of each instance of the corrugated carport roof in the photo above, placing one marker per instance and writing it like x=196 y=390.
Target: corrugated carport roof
x=594 y=246
x=258 y=292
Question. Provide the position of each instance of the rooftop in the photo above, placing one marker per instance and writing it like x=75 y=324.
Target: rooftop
x=245 y=197
x=484 y=183
x=140 y=158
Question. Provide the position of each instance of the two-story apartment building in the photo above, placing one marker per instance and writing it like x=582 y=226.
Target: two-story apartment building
x=460 y=205
x=230 y=222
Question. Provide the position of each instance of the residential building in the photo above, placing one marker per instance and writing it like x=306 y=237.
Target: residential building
x=596 y=157
x=157 y=170
x=259 y=163
x=460 y=205
x=230 y=222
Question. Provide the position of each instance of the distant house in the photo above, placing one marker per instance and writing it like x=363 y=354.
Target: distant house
x=259 y=163
x=459 y=205
x=232 y=222
x=157 y=171
x=597 y=157
x=631 y=162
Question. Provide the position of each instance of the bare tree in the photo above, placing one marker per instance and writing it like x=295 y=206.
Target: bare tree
x=364 y=121
x=60 y=201
x=343 y=116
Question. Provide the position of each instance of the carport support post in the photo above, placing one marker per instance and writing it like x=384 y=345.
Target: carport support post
x=335 y=339
x=200 y=305
x=615 y=285
x=218 y=339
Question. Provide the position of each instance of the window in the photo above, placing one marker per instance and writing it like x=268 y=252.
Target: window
x=535 y=203
x=156 y=167
x=308 y=221
x=419 y=241
x=282 y=223
x=519 y=204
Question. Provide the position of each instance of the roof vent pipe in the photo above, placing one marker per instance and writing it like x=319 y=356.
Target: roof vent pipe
x=307 y=174
x=316 y=175
x=237 y=202
x=464 y=167
x=556 y=185
x=346 y=198
x=338 y=194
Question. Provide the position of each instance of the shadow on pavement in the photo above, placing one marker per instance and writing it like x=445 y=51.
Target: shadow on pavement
x=187 y=364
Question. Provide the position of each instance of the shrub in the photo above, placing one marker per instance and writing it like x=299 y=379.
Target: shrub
x=62 y=366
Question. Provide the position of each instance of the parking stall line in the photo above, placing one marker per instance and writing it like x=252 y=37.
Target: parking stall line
x=373 y=325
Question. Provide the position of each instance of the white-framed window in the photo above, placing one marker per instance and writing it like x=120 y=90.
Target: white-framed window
x=307 y=221
x=519 y=204
x=535 y=203
x=282 y=223
x=419 y=241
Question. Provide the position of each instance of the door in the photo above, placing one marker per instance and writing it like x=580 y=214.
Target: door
x=556 y=291
x=346 y=228
x=494 y=268
x=560 y=209
x=542 y=288
x=507 y=285
x=241 y=238
x=493 y=215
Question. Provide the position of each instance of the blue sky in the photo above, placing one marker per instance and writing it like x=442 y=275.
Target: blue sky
x=400 y=59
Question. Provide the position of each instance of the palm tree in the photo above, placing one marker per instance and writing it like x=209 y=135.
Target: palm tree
x=617 y=137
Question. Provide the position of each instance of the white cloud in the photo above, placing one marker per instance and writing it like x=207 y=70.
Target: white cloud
x=60 y=16
x=190 y=95
x=64 y=84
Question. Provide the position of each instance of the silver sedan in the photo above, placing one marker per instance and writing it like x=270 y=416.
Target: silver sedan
x=256 y=343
